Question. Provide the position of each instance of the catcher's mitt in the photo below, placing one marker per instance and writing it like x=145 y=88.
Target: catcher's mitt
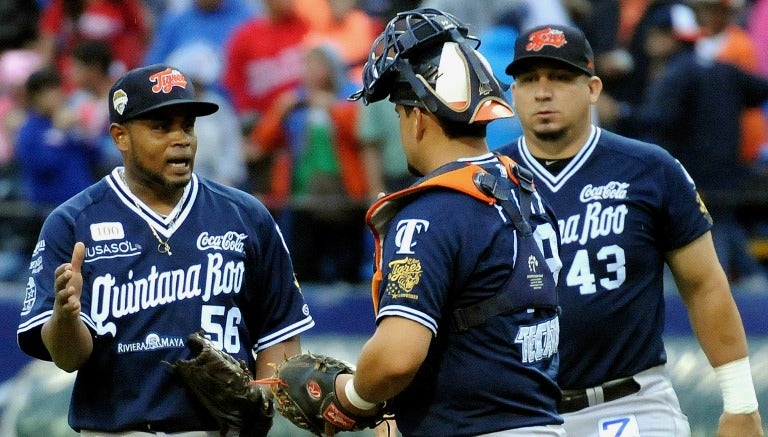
x=224 y=386
x=304 y=391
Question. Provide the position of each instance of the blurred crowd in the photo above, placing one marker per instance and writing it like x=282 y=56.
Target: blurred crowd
x=676 y=73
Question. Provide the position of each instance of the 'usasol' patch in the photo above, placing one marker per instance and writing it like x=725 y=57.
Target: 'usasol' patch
x=403 y=275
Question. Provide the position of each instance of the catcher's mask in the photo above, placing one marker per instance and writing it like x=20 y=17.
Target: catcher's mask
x=426 y=58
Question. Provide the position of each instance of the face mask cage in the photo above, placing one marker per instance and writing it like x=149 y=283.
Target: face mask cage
x=406 y=61
x=408 y=34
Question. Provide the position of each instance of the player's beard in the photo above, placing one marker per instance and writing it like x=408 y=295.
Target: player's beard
x=550 y=136
x=153 y=179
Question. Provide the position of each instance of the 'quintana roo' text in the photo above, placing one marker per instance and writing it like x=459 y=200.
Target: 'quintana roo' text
x=110 y=299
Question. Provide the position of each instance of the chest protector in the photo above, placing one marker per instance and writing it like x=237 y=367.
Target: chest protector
x=475 y=181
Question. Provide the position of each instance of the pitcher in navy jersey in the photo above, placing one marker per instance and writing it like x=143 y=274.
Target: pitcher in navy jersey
x=125 y=270
x=466 y=258
x=624 y=209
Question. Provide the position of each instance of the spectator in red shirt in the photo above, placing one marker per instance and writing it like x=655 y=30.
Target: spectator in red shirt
x=265 y=57
x=124 y=24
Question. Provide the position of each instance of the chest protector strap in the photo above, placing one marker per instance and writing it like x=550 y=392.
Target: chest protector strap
x=501 y=189
x=509 y=296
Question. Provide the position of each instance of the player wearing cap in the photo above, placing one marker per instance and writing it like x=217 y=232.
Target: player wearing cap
x=624 y=209
x=466 y=259
x=125 y=270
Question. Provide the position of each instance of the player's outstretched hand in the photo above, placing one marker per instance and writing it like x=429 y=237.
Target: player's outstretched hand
x=68 y=283
x=740 y=425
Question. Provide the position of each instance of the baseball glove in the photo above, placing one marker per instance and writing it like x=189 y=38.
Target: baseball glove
x=304 y=392
x=224 y=386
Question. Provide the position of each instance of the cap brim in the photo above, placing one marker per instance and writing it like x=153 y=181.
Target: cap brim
x=519 y=64
x=193 y=107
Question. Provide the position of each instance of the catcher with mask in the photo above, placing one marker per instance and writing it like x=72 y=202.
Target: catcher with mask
x=464 y=289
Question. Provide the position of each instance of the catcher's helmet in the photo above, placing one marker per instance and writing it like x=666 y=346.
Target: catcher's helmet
x=426 y=58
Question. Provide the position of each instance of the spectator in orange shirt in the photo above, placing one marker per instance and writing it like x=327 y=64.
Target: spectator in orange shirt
x=315 y=126
x=726 y=41
x=341 y=24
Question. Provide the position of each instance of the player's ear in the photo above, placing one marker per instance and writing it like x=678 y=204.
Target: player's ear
x=595 y=88
x=119 y=135
x=419 y=123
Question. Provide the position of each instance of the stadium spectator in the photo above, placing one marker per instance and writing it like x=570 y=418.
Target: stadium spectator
x=199 y=31
x=264 y=58
x=15 y=68
x=124 y=24
x=618 y=32
x=315 y=127
x=723 y=39
x=89 y=74
x=19 y=29
x=347 y=28
x=55 y=162
x=693 y=109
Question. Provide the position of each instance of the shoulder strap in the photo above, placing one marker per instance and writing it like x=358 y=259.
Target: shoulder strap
x=501 y=190
x=507 y=299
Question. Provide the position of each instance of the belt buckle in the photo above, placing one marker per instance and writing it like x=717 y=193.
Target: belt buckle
x=576 y=400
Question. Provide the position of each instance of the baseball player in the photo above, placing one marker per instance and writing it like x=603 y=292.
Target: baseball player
x=467 y=257
x=125 y=270
x=624 y=209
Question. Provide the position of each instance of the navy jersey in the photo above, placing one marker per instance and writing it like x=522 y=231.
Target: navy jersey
x=621 y=205
x=228 y=273
x=443 y=249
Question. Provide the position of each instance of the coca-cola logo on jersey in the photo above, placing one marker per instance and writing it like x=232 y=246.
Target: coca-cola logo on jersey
x=611 y=190
x=232 y=241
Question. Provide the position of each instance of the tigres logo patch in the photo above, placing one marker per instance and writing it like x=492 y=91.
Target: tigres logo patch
x=404 y=275
x=703 y=208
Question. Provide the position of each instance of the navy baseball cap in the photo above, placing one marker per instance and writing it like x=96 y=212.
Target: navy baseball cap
x=556 y=42
x=146 y=89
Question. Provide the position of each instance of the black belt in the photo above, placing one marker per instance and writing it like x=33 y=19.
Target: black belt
x=575 y=400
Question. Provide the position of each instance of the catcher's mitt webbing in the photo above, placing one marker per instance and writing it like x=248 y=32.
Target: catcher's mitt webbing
x=224 y=386
x=304 y=393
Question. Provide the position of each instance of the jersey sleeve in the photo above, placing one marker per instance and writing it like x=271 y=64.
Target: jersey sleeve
x=279 y=309
x=684 y=212
x=428 y=255
x=53 y=248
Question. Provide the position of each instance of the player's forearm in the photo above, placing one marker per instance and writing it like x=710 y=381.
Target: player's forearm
x=704 y=288
x=68 y=341
x=717 y=324
x=391 y=358
x=376 y=383
x=276 y=354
